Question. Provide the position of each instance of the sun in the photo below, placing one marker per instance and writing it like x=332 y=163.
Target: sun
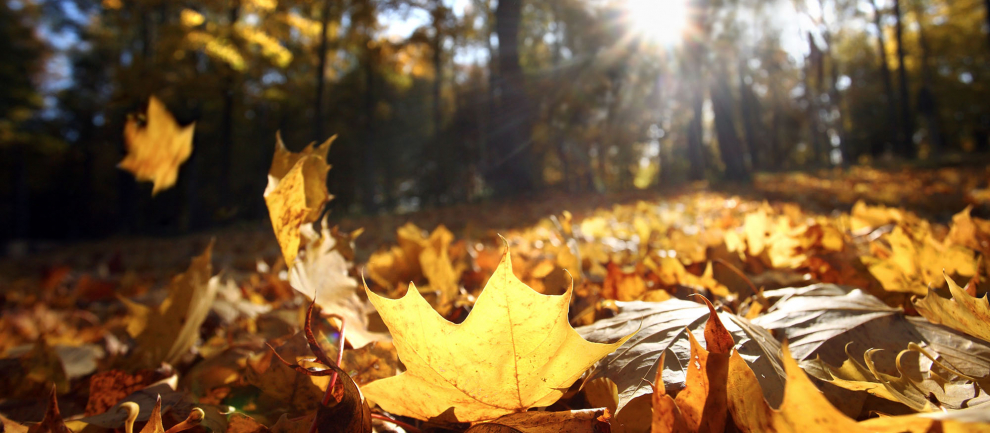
x=659 y=21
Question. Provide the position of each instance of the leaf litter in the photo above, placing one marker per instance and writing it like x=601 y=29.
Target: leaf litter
x=696 y=311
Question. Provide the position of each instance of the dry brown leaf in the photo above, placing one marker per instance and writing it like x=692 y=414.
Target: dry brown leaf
x=376 y=360
x=514 y=351
x=701 y=405
x=167 y=332
x=53 y=419
x=157 y=149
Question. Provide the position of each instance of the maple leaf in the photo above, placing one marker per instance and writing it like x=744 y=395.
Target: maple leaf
x=963 y=312
x=167 y=332
x=296 y=192
x=156 y=150
x=515 y=350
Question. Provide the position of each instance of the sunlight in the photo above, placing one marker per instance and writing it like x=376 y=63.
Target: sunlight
x=659 y=21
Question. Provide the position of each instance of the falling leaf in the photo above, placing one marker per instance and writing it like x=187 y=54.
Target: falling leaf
x=296 y=192
x=963 y=312
x=664 y=328
x=514 y=351
x=167 y=332
x=574 y=421
x=157 y=149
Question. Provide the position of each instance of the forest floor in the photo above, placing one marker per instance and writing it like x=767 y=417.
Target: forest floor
x=890 y=233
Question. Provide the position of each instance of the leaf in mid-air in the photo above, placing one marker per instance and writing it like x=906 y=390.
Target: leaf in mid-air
x=516 y=350
x=963 y=312
x=157 y=149
x=296 y=192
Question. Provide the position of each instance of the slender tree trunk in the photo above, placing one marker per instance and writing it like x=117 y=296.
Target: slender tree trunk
x=227 y=115
x=888 y=85
x=927 y=102
x=729 y=144
x=368 y=149
x=441 y=175
x=749 y=107
x=511 y=170
x=321 y=69
x=986 y=11
x=907 y=125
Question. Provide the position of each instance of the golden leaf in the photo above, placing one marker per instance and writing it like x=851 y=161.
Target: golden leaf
x=296 y=192
x=515 y=350
x=156 y=150
x=963 y=312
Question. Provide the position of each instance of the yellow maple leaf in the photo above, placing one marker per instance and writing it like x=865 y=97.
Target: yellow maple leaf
x=963 y=312
x=296 y=192
x=516 y=350
x=156 y=150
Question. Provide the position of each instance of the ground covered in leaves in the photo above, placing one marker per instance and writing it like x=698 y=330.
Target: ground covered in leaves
x=850 y=301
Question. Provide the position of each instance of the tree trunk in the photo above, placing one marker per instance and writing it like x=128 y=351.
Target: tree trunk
x=368 y=149
x=887 y=83
x=441 y=175
x=321 y=74
x=907 y=125
x=227 y=116
x=729 y=144
x=511 y=169
x=927 y=102
x=749 y=107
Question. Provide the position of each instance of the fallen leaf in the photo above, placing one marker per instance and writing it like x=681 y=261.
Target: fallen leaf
x=805 y=408
x=701 y=405
x=663 y=327
x=574 y=421
x=296 y=192
x=52 y=423
x=376 y=360
x=282 y=386
x=156 y=150
x=514 y=351
x=108 y=388
x=167 y=332
x=963 y=312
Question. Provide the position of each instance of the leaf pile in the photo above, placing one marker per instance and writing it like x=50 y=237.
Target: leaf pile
x=698 y=311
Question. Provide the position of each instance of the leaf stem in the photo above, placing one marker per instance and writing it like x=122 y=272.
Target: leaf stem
x=333 y=378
